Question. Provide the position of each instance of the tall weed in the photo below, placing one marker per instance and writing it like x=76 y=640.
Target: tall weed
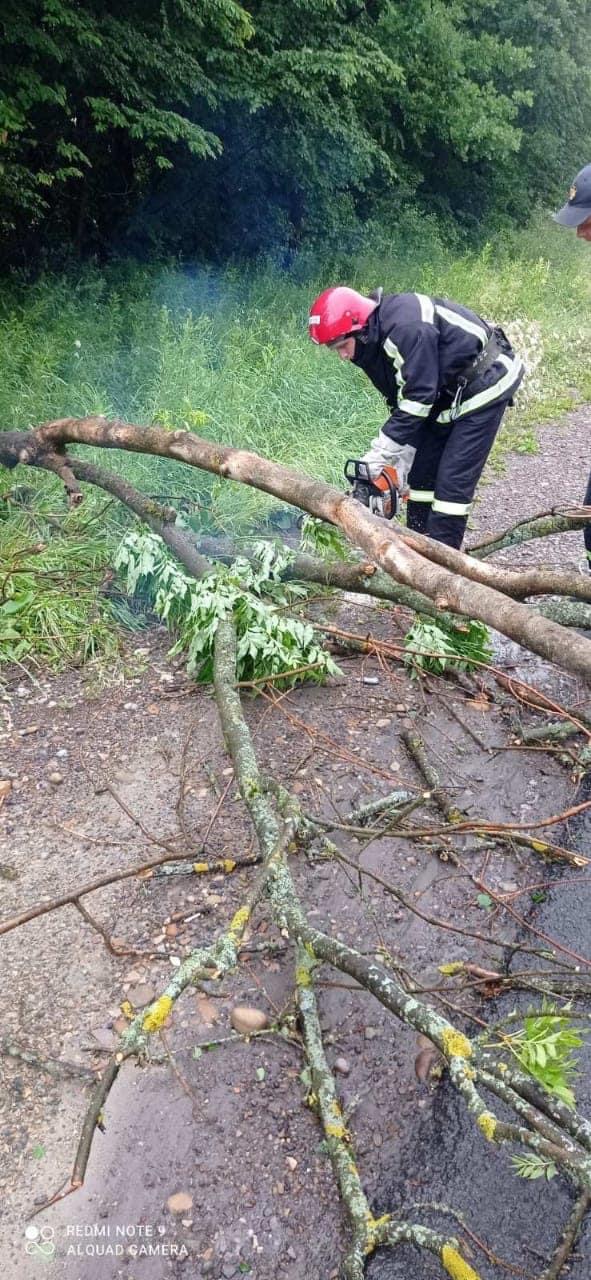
x=225 y=353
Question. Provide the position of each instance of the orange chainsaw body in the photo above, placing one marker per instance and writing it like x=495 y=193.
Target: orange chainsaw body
x=384 y=487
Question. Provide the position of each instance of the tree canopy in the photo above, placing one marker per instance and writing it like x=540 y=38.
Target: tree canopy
x=217 y=128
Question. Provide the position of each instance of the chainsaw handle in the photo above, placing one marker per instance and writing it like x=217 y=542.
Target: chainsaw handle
x=357 y=471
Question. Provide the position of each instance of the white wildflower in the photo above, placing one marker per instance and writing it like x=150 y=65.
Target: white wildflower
x=526 y=339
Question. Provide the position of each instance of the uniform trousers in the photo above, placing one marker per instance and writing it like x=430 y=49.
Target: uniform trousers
x=447 y=467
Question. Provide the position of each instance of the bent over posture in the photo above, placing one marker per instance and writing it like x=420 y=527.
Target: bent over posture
x=577 y=213
x=447 y=377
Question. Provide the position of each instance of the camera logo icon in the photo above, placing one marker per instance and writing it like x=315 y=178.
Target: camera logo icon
x=40 y=1242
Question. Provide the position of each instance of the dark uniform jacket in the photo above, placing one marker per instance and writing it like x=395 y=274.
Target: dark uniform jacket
x=414 y=348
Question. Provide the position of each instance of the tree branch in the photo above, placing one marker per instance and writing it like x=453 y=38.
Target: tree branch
x=449 y=578
x=540 y=526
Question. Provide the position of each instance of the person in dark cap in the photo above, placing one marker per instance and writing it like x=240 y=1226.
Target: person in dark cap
x=577 y=213
x=577 y=210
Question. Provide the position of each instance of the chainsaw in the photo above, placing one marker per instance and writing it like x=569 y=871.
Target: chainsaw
x=381 y=494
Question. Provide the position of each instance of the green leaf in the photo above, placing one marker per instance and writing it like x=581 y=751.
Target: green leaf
x=323 y=539
x=545 y=1047
x=484 y=900
x=532 y=1166
x=433 y=646
x=17 y=604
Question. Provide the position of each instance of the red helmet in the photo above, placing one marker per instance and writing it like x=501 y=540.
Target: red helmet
x=337 y=313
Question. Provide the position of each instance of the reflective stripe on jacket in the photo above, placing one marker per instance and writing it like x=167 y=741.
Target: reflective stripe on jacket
x=415 y=347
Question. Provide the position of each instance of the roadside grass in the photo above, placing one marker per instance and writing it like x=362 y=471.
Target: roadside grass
x=226 y=354
x=52 y=608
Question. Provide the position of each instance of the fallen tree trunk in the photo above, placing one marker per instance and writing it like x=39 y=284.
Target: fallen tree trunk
x=447 y=577
x=45 y=447
x=361 y=577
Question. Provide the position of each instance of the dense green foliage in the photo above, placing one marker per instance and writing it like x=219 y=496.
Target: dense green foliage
x=270 y=640
x=434 y=646
x=95 y=96
x=221 y=128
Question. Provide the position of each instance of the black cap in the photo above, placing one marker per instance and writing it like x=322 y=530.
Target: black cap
x=578 y=206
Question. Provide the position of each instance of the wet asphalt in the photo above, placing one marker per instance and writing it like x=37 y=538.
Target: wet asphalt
x=447 y=1162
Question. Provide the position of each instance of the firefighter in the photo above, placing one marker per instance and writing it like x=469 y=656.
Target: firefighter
x=577 y=213
x=447 y=377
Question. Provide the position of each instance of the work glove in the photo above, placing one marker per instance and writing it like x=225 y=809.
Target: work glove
x=385 y=452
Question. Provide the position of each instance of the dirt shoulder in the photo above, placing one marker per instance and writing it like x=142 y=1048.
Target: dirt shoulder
x=555 y=476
